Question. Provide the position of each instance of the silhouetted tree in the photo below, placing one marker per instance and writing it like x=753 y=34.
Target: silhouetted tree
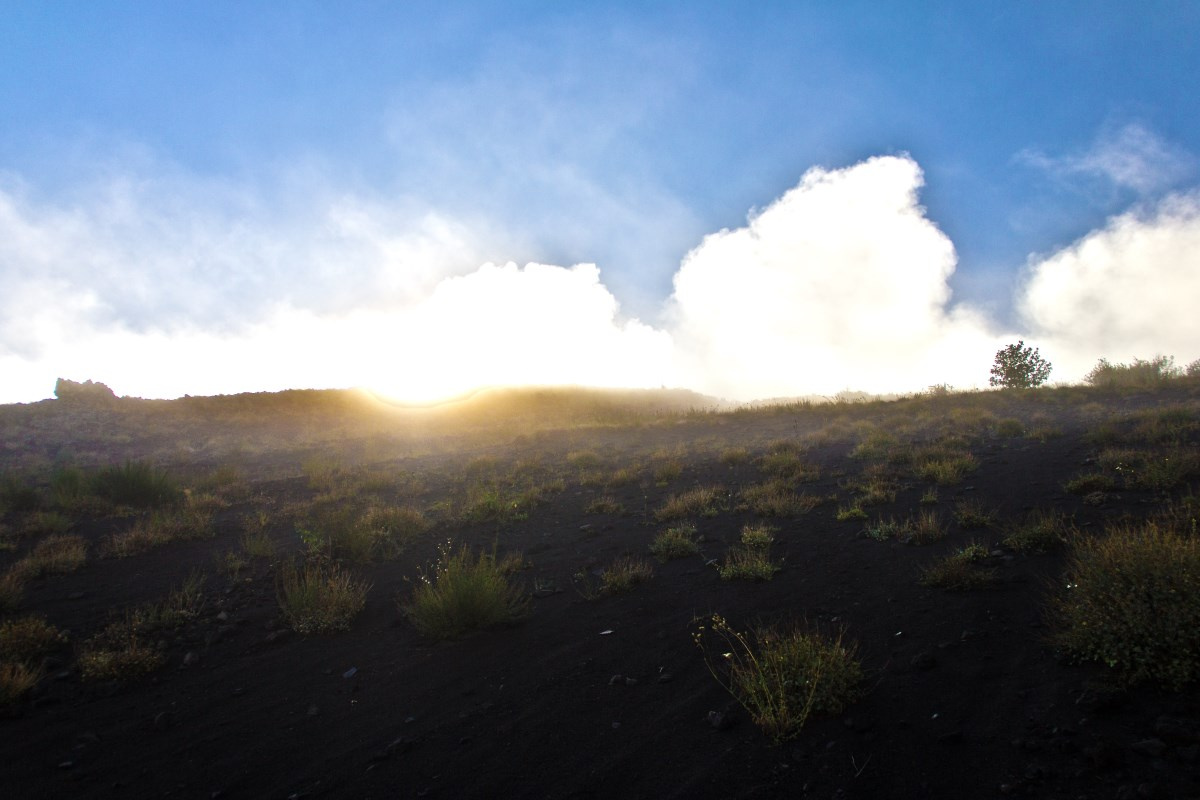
x=1019 y=367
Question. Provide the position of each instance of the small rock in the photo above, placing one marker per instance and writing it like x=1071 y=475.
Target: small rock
x=275 y=636
x=313 y=711
x=190 y=659
x=76 y=595
x=630 y=681
x=223 y=616
x=615 y=679
x=721 y=720
x=162 y=720
x=665 y=677
x=953 y=737
x=350 y=673
x=616 y=726
x=1152 y=748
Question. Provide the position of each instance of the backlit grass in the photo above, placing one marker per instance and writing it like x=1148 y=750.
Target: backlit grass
x=28 y=638
x=625 y=573
x=781 y=676
x=463 y=593
x=54 y=555
x=704 y=501
x=318 y=597
x=959 y=570
x=1039 y=532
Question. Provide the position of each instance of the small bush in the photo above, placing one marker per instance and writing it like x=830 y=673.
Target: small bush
x=675 y=542
x=846 y=513
x=758 y=537
x=316 y=597
x=1138 y=375
x=1131 y=601
x=884 y=530
x=782 y=677
x=1009 y=427
x=789 y=465
x=945 y=469
x=463 y=594
x=136 y=483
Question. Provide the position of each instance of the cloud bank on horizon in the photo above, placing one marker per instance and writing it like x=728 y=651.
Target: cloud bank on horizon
x=161 y=286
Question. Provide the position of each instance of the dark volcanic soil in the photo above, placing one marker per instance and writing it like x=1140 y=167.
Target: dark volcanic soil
x=964 y=696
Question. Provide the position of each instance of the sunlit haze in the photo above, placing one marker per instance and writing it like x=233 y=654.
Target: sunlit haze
x=792 y=200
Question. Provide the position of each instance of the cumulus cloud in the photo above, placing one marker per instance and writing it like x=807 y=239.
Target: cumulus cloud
x=841 y=283
x=1128 y=157
x=1122 y=292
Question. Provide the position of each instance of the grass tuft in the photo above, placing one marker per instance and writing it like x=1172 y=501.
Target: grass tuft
x=958 y=571
x=704 y=501
x=676 y=541
x=1040 y=532
x=316 y=597
x=136 y=483
x=463 y=594
x=625 y=573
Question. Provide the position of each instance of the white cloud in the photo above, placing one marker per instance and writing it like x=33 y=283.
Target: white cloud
x=841 y=283
x=1129 y=157
x=1125 y=291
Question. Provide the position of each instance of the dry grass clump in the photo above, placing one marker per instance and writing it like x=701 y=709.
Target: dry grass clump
x=192 y=521
x=1131 y=601
x=677 y=541
x=667 y=471
x=17 y=679
x=971 y=514
x=625 y=573
x=703 y=501
x=789 y=464
x=1090 y=482
x=318 y=597
x=1140 y=374
x=924 y=528
x=1041 y=531
x=584 y=459
x=12 y=589
x=777 y=498
x=44 y=523
x=1153 y=469
x=28 y=639
x=732 y=456
x=604 y=504
x=959 y=571
x=943 y=467
x=875 y=445
x=463 y=594
x=782 y=676
x=119 y=652
x=54 y=555
x=1008 y=428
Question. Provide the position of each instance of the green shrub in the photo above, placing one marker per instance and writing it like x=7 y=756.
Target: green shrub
x=1138 y=375
x=1018 y=366
x=463 y=594
x=1131 y=601
x=316 y=597
x=781 y=677
x=136 y=483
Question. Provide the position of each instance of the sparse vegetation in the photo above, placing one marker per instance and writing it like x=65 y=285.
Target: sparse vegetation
x=777 y=498
x=28 y=639
x=750 y=561
x=604 y=504
x=462 y=594
x=1140 y=374
x=1130 y=600
x=971 y=515
x=54 y=555
x=16 y=680
x=781 y=676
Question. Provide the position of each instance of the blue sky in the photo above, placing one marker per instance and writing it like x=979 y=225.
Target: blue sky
x=234 y=177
